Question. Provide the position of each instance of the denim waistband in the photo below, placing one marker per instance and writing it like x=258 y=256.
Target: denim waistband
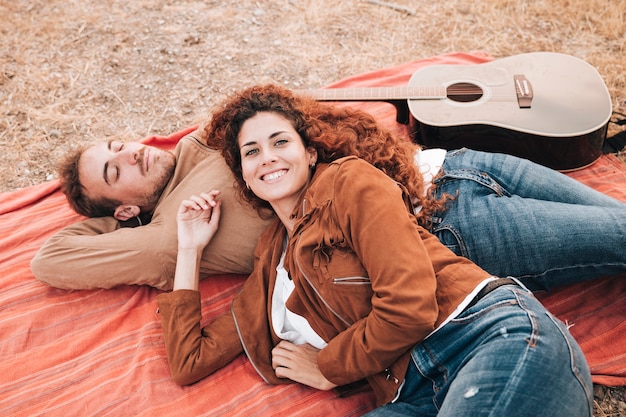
x=492 y=285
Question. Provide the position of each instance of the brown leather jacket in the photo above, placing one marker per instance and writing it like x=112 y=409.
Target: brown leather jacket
x=369 y=280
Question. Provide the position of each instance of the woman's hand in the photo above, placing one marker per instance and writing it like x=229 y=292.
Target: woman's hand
x=198 y=220
x=299 y=363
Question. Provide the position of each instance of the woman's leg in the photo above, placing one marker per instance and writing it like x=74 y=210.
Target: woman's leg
x=527 y=179
x=516 y=218
x=504 y=356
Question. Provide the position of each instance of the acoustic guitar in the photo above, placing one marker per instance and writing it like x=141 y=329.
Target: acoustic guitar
x=548 y=107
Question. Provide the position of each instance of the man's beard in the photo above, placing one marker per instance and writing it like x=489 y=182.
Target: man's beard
x=152 y=196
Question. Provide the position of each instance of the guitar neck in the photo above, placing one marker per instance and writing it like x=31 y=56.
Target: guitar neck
x=377 y=93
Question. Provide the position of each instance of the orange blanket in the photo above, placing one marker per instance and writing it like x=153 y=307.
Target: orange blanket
x=100 y=353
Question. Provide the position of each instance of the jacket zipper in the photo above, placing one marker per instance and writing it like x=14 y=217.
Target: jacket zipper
x=355 y=280
x=250 y=358
x=346 y=322
x=389 y=376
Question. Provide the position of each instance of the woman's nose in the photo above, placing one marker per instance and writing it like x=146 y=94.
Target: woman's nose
x=268 y=157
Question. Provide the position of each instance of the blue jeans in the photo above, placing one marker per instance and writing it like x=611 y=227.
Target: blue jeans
x=504 y=356
x=516 y=218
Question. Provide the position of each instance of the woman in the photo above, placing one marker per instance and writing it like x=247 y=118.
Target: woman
x=347 y=286
x=508 y=215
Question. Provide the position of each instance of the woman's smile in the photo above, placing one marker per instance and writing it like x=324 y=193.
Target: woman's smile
x=274 y=175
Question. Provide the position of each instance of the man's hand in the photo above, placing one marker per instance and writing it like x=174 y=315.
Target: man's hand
x=198 y=220
x=299 y=363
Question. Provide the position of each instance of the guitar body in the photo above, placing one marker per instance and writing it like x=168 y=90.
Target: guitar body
x=564 y=126
x=548 y=107
x=562 y=154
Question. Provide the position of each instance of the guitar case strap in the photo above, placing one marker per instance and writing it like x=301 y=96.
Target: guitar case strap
x=617 y=142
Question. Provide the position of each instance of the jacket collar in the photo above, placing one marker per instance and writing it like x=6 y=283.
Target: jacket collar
x=300 y=209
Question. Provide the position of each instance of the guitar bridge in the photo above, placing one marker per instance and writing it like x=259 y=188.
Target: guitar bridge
x=524 y=91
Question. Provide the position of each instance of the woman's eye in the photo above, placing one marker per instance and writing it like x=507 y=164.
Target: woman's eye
x=281 y=142
x=250 y=152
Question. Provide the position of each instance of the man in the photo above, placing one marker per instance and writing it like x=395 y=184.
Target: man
x=116 y=183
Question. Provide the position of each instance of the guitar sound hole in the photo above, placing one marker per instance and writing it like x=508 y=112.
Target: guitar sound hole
x=464 y=92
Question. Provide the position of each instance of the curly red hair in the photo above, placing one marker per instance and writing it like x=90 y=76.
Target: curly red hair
x=333 y=132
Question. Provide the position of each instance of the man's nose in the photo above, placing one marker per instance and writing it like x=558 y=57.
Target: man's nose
x=128 y=156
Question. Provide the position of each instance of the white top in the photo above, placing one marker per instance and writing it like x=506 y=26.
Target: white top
x=429 y=161
x=288 y=325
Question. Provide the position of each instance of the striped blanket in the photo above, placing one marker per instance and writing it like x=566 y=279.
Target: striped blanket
x=101 y=352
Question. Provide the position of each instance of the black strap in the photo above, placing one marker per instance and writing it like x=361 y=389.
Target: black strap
x=617 y=142
x=491 y=285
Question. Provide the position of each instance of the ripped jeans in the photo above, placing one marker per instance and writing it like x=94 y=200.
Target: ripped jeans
x=516 y=218
x=504 y=356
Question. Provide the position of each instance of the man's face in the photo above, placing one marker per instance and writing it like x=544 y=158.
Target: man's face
x=132 y=173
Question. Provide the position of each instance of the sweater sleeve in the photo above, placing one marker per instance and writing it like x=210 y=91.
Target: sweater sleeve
x=385 y=237
x=97 y=253
x=194 y=353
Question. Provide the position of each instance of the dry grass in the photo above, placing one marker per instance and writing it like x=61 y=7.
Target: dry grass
x=80 y=71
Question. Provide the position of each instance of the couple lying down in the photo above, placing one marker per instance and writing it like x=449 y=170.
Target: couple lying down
x=412 y=269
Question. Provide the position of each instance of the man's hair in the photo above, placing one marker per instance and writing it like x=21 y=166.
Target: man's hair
x=76 y=193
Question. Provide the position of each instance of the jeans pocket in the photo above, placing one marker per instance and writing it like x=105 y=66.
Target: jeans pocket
x=451 y=238
x=578 y=362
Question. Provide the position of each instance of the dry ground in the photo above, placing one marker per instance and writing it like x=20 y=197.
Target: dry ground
x=80 y=71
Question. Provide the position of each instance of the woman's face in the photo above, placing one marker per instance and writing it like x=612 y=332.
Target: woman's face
x=274 y=162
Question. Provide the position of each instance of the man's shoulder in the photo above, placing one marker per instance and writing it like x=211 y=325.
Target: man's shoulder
x=192 y=152
x=192 y=144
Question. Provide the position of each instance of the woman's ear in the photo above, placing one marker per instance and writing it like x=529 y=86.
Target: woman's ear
x=312 y=156
x=124 y=213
